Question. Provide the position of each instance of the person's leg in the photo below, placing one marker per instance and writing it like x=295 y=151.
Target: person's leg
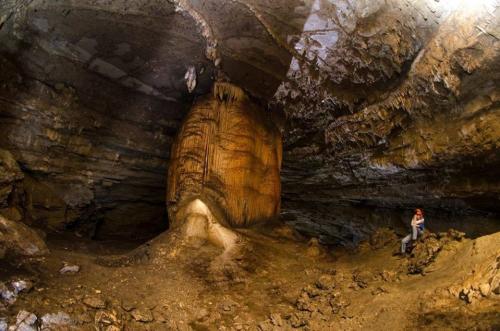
x=414 y=232
x=404 y=242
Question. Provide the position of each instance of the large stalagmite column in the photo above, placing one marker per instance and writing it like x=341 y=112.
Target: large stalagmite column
x=225 y=166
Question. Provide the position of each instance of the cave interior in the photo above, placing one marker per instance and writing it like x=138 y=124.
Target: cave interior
x=249 y=164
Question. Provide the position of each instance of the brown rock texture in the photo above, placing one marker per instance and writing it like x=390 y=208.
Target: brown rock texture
x=12 y=193
x=393 y=106
x=390 y=105
x=17 y=240
x=228 y=155
x=10 y=176
x=83 y=119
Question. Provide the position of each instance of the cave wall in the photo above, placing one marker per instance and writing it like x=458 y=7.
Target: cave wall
x=81 y=116
x=400 y=110
x=390 y=105
x=92 y=94
x=102 y=166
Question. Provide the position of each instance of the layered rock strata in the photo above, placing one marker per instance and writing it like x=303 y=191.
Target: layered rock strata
x=390 y=105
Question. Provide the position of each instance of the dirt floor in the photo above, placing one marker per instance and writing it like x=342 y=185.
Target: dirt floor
x=281 y=282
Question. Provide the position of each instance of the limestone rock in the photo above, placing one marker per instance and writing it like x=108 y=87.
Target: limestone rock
x=10 y=173
x=25 y=321
x=227 y=154
x=485 y=289
x=21 y=286
x=142 y=315
x=190 y=78
x=10 y=185
x=389 y=105
x=326 y=282
x=108 y=320
x=95 y=302
x=276 y=319
x=69 y=269
x=57 y=321
x=362 y=278
x=18 y=240
x=7 y=294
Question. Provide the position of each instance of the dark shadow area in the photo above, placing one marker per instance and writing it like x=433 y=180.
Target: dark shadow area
x=461 y=319
x=348 y=223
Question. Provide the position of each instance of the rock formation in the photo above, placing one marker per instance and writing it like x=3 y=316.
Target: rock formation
x=337 y=117
x=18 y=241
x=228 y=154
x=10 y=186
x=390 y=105
x=398 y=108
x=226 y=160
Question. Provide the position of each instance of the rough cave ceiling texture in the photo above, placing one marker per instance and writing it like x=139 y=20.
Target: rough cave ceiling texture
x=389 y=104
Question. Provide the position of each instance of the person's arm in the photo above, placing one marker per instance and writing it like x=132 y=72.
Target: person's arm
x=420 y=221
x=414 y=220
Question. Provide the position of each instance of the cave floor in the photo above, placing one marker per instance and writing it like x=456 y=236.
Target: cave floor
x=289 y=283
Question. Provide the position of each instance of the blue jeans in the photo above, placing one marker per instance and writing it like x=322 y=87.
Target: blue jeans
x=415 y=231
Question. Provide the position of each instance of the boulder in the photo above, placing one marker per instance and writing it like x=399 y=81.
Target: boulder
x=18 y=240
x=95 y=302
x=485 y=289
x=25 y=321
x=428 y=247
x=57 y=321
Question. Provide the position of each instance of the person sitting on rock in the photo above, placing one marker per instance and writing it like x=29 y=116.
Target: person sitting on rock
x=417 y=227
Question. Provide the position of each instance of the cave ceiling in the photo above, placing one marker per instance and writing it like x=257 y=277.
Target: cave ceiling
x=388 y=104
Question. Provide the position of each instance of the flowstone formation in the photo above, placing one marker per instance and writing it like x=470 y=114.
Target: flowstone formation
x=225 y=167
